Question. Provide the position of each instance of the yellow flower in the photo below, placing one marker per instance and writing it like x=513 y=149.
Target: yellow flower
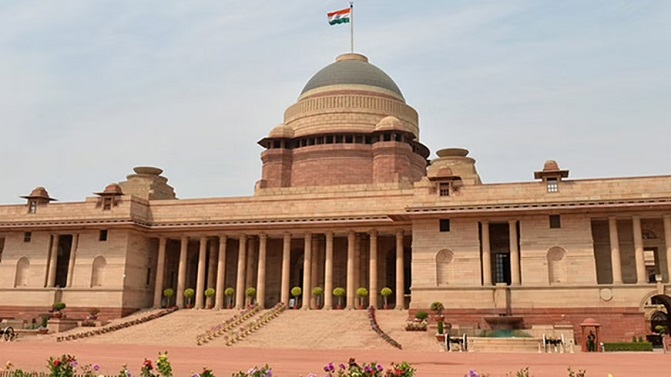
x=9 y=365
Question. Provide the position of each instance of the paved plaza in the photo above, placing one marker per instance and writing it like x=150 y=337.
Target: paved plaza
x=287 y=362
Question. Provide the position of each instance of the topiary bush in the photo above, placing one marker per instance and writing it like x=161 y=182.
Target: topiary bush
x=421 y=315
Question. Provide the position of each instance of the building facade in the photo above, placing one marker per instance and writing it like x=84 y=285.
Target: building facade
x=349 y=198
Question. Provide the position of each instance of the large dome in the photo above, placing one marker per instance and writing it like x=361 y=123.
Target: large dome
x=352 y=69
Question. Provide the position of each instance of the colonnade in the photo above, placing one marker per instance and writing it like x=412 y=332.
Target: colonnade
x=615 y=254
x=247 y=246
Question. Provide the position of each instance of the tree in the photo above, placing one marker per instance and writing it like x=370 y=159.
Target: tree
x=386 y=292
x=296 y=292
x=251 y=293
x=229 y=292
x=188 y=295
x=318 y=292
x=362 y=293
x=339 y=292
x=168 y=293
x=209 y=293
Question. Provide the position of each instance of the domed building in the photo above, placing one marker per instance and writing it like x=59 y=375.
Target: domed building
x=349 y=198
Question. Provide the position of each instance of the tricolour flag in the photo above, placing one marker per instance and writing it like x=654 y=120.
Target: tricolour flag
x=340 y=16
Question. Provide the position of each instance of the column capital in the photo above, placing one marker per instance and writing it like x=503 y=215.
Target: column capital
x=263 y=236
x=373 y=232
x=399 y=232
x=512 y=222
x=483 y=222
x=162 y=240
x=666 y=217
x=223 y=237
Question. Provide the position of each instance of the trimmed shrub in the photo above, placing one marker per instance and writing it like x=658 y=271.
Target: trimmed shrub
x=421 y=315
x=628 y=347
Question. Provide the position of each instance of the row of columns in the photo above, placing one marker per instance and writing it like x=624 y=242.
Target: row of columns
x=309 y=270
x=616 y=258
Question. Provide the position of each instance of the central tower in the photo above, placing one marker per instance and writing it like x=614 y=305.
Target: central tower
x=350 y=125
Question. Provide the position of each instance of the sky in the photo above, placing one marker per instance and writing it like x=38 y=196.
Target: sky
x=90 y=89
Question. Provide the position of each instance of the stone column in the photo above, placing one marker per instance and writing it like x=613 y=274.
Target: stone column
x=372 y=267
x=514 y=253
x=251 y=262
x=240 y=286
x=286 y=268
x=351 y=237
x=638 y=251
x=53 y=259
x=615 y=251
x=400 y=273
x=212 y=265
x=667 y=241
x=160 y=272
x=357 y=267
x=261 y=276
x=73 y=257
x=314 y=270
x=221 y=274
x=200 y=281
x=307 y=271
x=328 y=272
x=486 y=255
x=181 y=272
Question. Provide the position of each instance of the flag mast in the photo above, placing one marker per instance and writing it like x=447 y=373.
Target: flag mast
x=351 y=26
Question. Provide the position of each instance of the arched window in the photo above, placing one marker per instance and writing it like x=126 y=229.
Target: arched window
x=444 y=274
x=557 y=273
x=22 y=266
x=98 y=272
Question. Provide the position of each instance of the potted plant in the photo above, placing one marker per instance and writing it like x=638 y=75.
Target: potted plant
x=251 y=293
x=318 y=292
x=296 y=292
x=57 y=309
x=386 y=292
x=362 y=293
x=93 y=314
x=168 y=293
x=437 y=308
x=188 y=295
x=339 y=292
x=229 y=292
x=209 y=293
x=43 y=329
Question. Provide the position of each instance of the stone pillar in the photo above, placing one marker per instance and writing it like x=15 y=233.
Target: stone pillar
x=240 y=286
x=251 y=262
x=615 y=251
x=328 y=272
x=212 y=265
x=53 y=259
x=372 y=268
x=357 y=267
x=181 y=272
x=638 y=251
x=514 y=253
x=200 y=280
x=486 y=255
x=261 y=275
x=160 y=272
x=667 y=241
x=314 y=271
x=307 y=271
x=286 y=268
x=73 y=257
x=221 y=274
x=400 y=273
x=351 y=238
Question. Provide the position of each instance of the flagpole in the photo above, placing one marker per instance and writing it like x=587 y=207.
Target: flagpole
x=351 y=26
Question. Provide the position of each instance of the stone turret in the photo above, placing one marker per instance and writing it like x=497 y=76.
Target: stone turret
x=453 y=163
x=147 y=183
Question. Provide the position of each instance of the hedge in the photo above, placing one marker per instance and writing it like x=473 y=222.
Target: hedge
x=638 y=346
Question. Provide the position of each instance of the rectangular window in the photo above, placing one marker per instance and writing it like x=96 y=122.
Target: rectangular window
x=444 y=189
x=32 y=206
x=553 y=185
x=107 y=204
x=2 y=247
x=555 y=222
x=103 y=235
x=148 y=277
x=27 y=236
x=444 y=225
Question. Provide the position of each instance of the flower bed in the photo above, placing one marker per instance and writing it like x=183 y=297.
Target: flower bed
x=115 y=327
x=378 y=330
x=416 y=325
x=232 y=329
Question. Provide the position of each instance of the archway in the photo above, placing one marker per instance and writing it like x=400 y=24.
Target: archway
x=98 y=272
x=666 y=302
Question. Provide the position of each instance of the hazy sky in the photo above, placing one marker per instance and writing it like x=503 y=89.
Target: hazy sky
x=91 y=88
